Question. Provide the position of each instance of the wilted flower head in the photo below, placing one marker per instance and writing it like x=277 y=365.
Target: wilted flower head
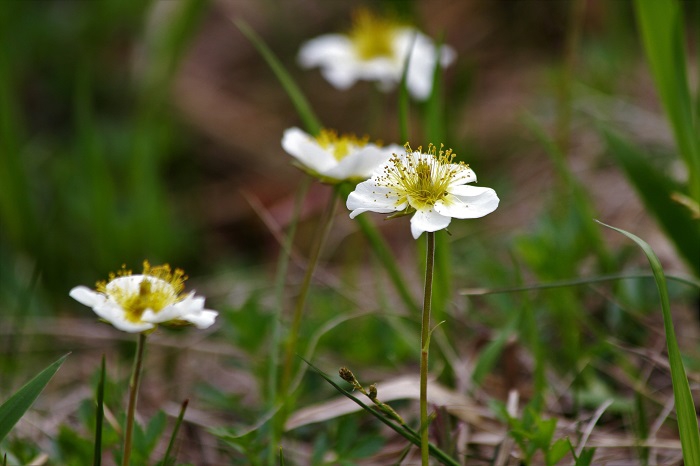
x=429 y=184
x=376 y=49
x=334 y=158
x=137 y=303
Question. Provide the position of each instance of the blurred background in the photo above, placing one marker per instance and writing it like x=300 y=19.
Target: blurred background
x=151 y=130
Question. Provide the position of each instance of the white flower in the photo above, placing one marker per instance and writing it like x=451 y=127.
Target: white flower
x=376 y=49
x=427 y=183
x=334 y=158
x=138 y=303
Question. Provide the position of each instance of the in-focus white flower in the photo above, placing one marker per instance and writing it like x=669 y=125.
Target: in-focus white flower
x=429 y=184
x=333 y=158
x=138 y=303
x=376 y=49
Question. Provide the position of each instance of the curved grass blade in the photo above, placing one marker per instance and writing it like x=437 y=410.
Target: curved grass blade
x=99 y=414
x=311 y=122
x=656 y=190
x=14 y=408
x=685 y=408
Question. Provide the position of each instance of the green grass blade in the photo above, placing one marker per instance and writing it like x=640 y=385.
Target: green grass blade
x=167 y=460
x=661 y=27
x=685 y=408
x=655 y=190
x=99 y=414
x=311 y=122
x=14 y=408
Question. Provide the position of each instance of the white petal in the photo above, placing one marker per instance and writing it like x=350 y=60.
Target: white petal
x=367 y=196
x=201 y=319
x=115 y=315
x=190 y=309
x=86 y=296
x=468 y=202
x=421 y=68
x=305 y=149
x=427 y=220
x=359 y=164
x=325 y=50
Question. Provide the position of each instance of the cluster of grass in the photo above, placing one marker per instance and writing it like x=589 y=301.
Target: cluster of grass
x=549 y=348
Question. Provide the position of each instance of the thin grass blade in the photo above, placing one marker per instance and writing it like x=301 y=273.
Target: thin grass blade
x=14 y=408
x=303 y=108
x=167 y=460
x=685 y=408
x=655 y=189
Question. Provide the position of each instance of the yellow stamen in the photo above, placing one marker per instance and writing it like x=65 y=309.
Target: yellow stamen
x=160 y=286
x=372 y=35
x=421 y=179
x=340 y=146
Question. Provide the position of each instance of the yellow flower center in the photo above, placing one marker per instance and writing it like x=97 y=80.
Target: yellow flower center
x=340 y=146
x=155 y=289
x=372 y=35
x=421 y=179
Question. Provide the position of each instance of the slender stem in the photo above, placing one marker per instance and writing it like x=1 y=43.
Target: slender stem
x=425 y=344
x=301 y=299
x=133 y=392
x=273 y=368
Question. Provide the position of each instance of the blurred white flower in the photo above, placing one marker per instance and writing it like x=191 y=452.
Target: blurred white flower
x=428 y=184
x=138 y=303
x=333 y=158
x=376 y=49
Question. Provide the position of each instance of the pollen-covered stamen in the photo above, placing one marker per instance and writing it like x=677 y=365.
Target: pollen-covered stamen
x=340 y=146
x=155 y=289
x=421 y=179
x=372 y=35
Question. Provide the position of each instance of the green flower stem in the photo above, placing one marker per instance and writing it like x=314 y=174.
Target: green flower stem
x=425 y=344
x=293 y=338
x=133 y=393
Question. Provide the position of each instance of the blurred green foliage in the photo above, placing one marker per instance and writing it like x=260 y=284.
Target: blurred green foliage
x=86 y=137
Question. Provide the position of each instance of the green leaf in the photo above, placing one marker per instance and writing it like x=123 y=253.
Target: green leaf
x=655 y=190
x=685 y=408
x=558 y=451
x=661 y=27
x=311 y=122
x=14 y=408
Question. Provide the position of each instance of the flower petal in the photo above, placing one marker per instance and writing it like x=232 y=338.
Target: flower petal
x=115 y=315
x=86 y=296
x=468 y=202
x=304 y=148
x=362 y=162
x=325 y=50
x=428 y=220
x=201 y=319
x=367 y=196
